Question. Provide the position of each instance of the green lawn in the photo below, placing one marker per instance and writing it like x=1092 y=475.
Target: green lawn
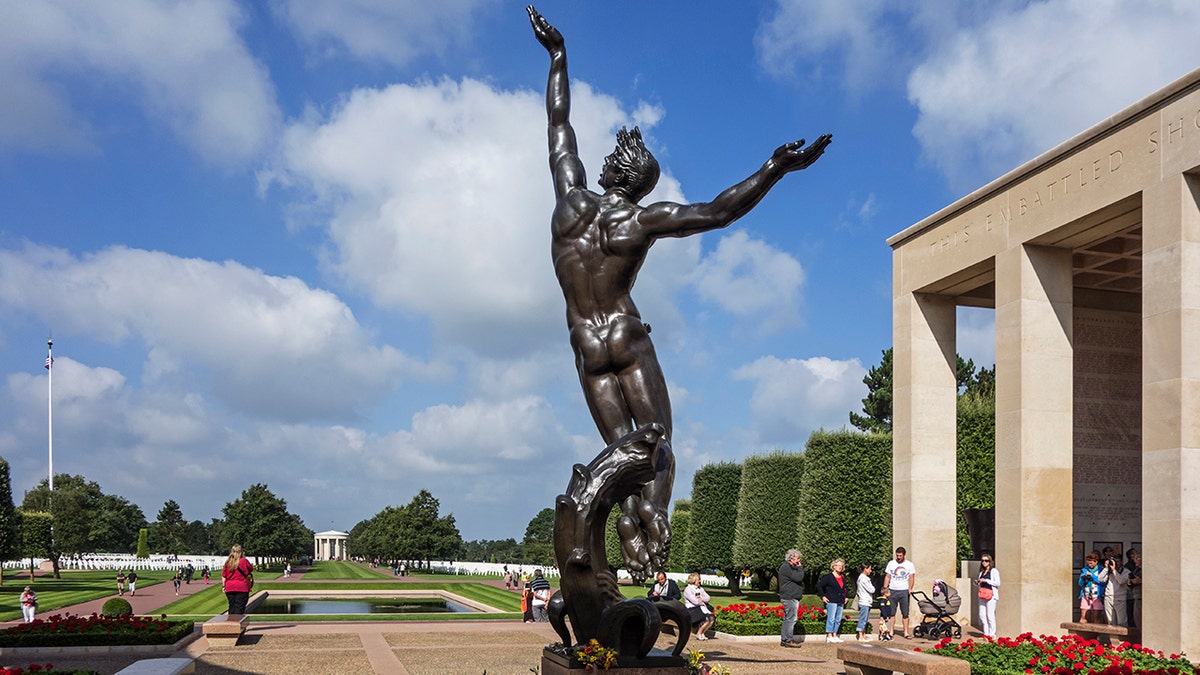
x=74 y=587
x=337 y=569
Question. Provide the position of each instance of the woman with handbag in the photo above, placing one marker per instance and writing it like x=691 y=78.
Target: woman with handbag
x=237 y=577
x=696 y=599
x=988 y=581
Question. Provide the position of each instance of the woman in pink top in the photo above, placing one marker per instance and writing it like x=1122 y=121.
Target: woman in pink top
x=237 y=578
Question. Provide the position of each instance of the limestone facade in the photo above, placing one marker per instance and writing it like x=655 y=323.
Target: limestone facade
x=1090 y=257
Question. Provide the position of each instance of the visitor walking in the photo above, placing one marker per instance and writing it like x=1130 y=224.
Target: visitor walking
x=176 y=580
x=987 y=581
x=832 y=589
x=28 y=604
x=540 y=588
x=237 y=578
x=791 y=589
x=132 y=577
x=120 y=582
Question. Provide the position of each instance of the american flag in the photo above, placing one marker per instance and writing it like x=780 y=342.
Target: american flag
x=49 y=362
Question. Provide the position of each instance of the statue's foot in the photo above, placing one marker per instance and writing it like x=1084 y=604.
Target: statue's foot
x=645 y=539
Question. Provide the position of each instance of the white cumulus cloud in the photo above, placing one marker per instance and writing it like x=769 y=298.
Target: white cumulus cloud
x=269 y=345
x=182 y=63
x=794 y=397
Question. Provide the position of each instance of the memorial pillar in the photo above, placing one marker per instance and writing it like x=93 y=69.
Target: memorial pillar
x=1034 y=438
x=1171 y=414
x=924 y=454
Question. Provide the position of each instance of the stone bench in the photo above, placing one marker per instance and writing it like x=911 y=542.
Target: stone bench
x=225 y=630
x=169 y=666
x=876 y=659
x=1097 y=631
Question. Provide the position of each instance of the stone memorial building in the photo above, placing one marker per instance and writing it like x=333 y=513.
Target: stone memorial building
x=1090 y=257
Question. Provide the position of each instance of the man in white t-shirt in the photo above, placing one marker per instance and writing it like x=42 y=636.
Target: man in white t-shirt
x=900 y=580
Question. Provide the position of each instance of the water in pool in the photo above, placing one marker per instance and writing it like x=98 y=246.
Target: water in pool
x=358 y=606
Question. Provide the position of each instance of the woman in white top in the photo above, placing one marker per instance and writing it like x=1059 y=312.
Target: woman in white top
x=865 y=592
x=696 y=600
x=988 y=582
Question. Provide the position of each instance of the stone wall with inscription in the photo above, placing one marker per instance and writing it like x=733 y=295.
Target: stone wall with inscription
x=1108 y=427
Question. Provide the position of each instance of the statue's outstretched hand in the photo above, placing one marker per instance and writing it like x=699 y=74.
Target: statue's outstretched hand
x=794 y=156
x=546 y=34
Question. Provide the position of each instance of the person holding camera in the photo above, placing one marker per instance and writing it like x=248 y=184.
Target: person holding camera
x=1116 y=581
x=1091 y=589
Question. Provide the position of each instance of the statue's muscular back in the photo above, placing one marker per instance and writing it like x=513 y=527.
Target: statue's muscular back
x=598 y=247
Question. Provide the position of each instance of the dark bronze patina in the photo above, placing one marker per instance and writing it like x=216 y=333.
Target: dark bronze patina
x=599 y=242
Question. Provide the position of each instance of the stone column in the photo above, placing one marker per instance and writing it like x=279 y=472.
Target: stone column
x=1034 y=438
x=1171 y=414
x=924 y=414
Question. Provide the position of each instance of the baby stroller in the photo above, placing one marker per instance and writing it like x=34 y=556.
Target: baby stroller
x=938 y=620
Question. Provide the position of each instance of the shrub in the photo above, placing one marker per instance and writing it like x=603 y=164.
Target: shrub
x=767 y=511
x=116 y=607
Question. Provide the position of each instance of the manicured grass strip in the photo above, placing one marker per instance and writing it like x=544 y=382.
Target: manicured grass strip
x=337 y=569
x=74 y=587
x=208 y=602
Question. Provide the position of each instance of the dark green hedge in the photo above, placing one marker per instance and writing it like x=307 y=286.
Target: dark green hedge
x=768 y=505
x=845 y=501
x=976 y=461
x=681 y=523
x=714 y=505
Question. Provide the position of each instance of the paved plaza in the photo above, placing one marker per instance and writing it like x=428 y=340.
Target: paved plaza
x=497 y=647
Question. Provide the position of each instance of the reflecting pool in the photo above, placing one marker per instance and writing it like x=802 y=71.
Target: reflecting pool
x=276 y=605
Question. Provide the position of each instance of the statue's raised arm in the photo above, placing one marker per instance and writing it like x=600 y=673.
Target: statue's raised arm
x=666 y=219
x=565 y=166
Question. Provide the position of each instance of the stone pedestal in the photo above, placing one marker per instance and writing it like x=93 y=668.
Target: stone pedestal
x=657 y=662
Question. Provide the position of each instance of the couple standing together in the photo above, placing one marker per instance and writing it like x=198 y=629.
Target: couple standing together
x=899 y=578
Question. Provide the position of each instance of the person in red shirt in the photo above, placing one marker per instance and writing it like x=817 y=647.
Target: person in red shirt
x=237 y=578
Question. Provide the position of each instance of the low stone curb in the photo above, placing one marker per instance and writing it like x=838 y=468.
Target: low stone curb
x=148 y=650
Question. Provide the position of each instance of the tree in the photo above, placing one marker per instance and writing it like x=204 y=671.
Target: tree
x=37 y=536
x=167 y=535
x=878 y=403
x=261 y=523
x=538 y=545
x=10 y=522
x=427 y=535
x=412 y=532
x=714 y=513
x=767 y=511
x=143 y=545
x=85 y=519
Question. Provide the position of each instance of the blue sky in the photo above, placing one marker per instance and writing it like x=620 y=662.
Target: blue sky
x=305 y=242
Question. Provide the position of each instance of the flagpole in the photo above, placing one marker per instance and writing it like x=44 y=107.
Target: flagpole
x=50 y=406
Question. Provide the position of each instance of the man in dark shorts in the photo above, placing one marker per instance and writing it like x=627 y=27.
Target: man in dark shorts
x=900 y=581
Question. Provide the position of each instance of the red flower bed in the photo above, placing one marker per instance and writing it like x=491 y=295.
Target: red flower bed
x=64 y=630
x=1065 y=655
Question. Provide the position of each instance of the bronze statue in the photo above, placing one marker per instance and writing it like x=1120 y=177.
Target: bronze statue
x=599 y=242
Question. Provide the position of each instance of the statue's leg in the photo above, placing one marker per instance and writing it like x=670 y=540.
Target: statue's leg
x=601 y=386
